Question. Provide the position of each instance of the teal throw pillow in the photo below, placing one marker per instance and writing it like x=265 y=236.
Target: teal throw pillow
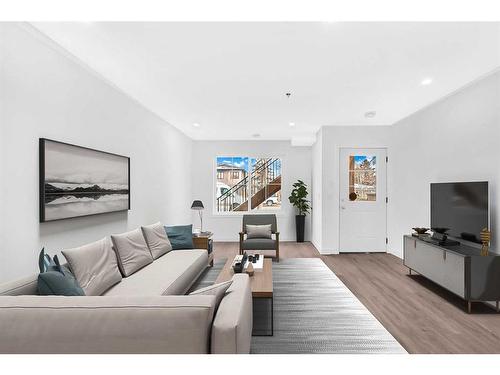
x=180 y=236
x=55 y=279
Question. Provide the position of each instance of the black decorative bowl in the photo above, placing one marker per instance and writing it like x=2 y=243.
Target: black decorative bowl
x=420 y=230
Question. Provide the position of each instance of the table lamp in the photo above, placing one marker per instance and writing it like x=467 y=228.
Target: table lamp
x=198 y=206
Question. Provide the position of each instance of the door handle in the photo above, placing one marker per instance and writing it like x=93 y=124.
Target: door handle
x=342 y=207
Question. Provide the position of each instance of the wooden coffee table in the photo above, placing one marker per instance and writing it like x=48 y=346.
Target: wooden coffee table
x=261 y=283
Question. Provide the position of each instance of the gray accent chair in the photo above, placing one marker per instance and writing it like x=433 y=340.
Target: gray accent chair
x=260 y=243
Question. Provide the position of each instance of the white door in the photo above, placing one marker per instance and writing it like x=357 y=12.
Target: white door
x=363 y=200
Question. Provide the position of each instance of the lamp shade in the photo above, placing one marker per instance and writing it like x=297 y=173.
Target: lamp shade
x=197 y=205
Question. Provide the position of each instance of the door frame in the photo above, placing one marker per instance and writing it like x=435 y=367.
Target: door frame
x=339 y=150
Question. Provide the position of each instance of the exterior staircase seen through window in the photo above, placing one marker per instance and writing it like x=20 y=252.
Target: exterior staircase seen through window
x=265 y=182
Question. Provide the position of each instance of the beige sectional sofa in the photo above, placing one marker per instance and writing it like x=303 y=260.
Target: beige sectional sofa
x=146 y=312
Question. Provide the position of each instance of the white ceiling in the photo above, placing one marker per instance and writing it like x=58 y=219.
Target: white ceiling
x=231 y=78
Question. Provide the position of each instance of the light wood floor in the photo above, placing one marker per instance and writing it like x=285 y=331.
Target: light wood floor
x=422 y=316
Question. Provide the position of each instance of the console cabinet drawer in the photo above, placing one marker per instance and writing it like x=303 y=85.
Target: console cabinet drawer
x=426 y=260
x=454 y=273
x=444 y=267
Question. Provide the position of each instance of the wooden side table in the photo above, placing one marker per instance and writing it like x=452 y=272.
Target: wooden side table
x=205 y=242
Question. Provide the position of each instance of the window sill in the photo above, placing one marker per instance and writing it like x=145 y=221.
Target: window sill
x=280 y=212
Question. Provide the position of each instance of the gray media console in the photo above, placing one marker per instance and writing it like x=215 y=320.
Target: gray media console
x=460 y=269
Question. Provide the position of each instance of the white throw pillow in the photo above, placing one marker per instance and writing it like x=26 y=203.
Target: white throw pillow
x=217 y=290
x=259 y=231
x=132 y=251
x=94 y=266
x=157 y=239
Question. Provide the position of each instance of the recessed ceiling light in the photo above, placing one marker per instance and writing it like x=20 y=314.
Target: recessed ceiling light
x=196 y=125
x=370 y=114
x=256 y=135
x=291 y=124
x=426 y=81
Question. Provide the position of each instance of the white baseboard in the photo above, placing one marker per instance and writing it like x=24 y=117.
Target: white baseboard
x=323 y=251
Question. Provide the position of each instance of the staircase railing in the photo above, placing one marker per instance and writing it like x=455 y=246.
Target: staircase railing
x=233 y=197
x=264 y=172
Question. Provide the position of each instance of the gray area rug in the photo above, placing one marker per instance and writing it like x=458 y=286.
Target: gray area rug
x=314 y=312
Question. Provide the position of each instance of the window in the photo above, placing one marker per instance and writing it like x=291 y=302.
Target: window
x=362 y=178
x=245 y=179
x=266 y=183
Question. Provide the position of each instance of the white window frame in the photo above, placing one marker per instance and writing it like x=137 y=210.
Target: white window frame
x=250 y=211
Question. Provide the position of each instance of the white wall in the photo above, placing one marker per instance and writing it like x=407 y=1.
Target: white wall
x=45 y=93
x=455 y=139
x=296 y=164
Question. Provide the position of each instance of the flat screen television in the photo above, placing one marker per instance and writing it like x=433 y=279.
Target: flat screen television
x=461 y=207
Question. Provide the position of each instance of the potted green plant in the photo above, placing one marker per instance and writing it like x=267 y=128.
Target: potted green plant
x=298 y=199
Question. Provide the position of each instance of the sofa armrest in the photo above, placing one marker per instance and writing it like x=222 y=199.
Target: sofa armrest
x=105 y=324
x=233 y=323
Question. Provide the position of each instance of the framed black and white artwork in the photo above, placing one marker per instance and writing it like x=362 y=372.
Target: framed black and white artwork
x=78 y=181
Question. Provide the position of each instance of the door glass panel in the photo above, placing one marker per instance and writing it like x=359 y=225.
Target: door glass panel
x=362 y=178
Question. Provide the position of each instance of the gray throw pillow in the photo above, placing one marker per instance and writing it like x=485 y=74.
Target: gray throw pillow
x=132 y=251
x=157 y=239
x=259 y=231
x=217 y=290
x=94 y=266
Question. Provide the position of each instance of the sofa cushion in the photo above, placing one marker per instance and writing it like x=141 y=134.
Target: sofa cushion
x=259 y=244
x=172 y=274
x=157 y=239
x=132 y=251
x=180 y=236
x=55 y=283
x=94 y=266
x=55 y=279
x=259 y=231
x=217 y=290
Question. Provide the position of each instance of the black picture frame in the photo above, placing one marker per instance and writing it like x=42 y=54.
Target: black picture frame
x=42 y=144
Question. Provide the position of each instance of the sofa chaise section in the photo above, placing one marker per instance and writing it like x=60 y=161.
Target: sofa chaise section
x=171 y=274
